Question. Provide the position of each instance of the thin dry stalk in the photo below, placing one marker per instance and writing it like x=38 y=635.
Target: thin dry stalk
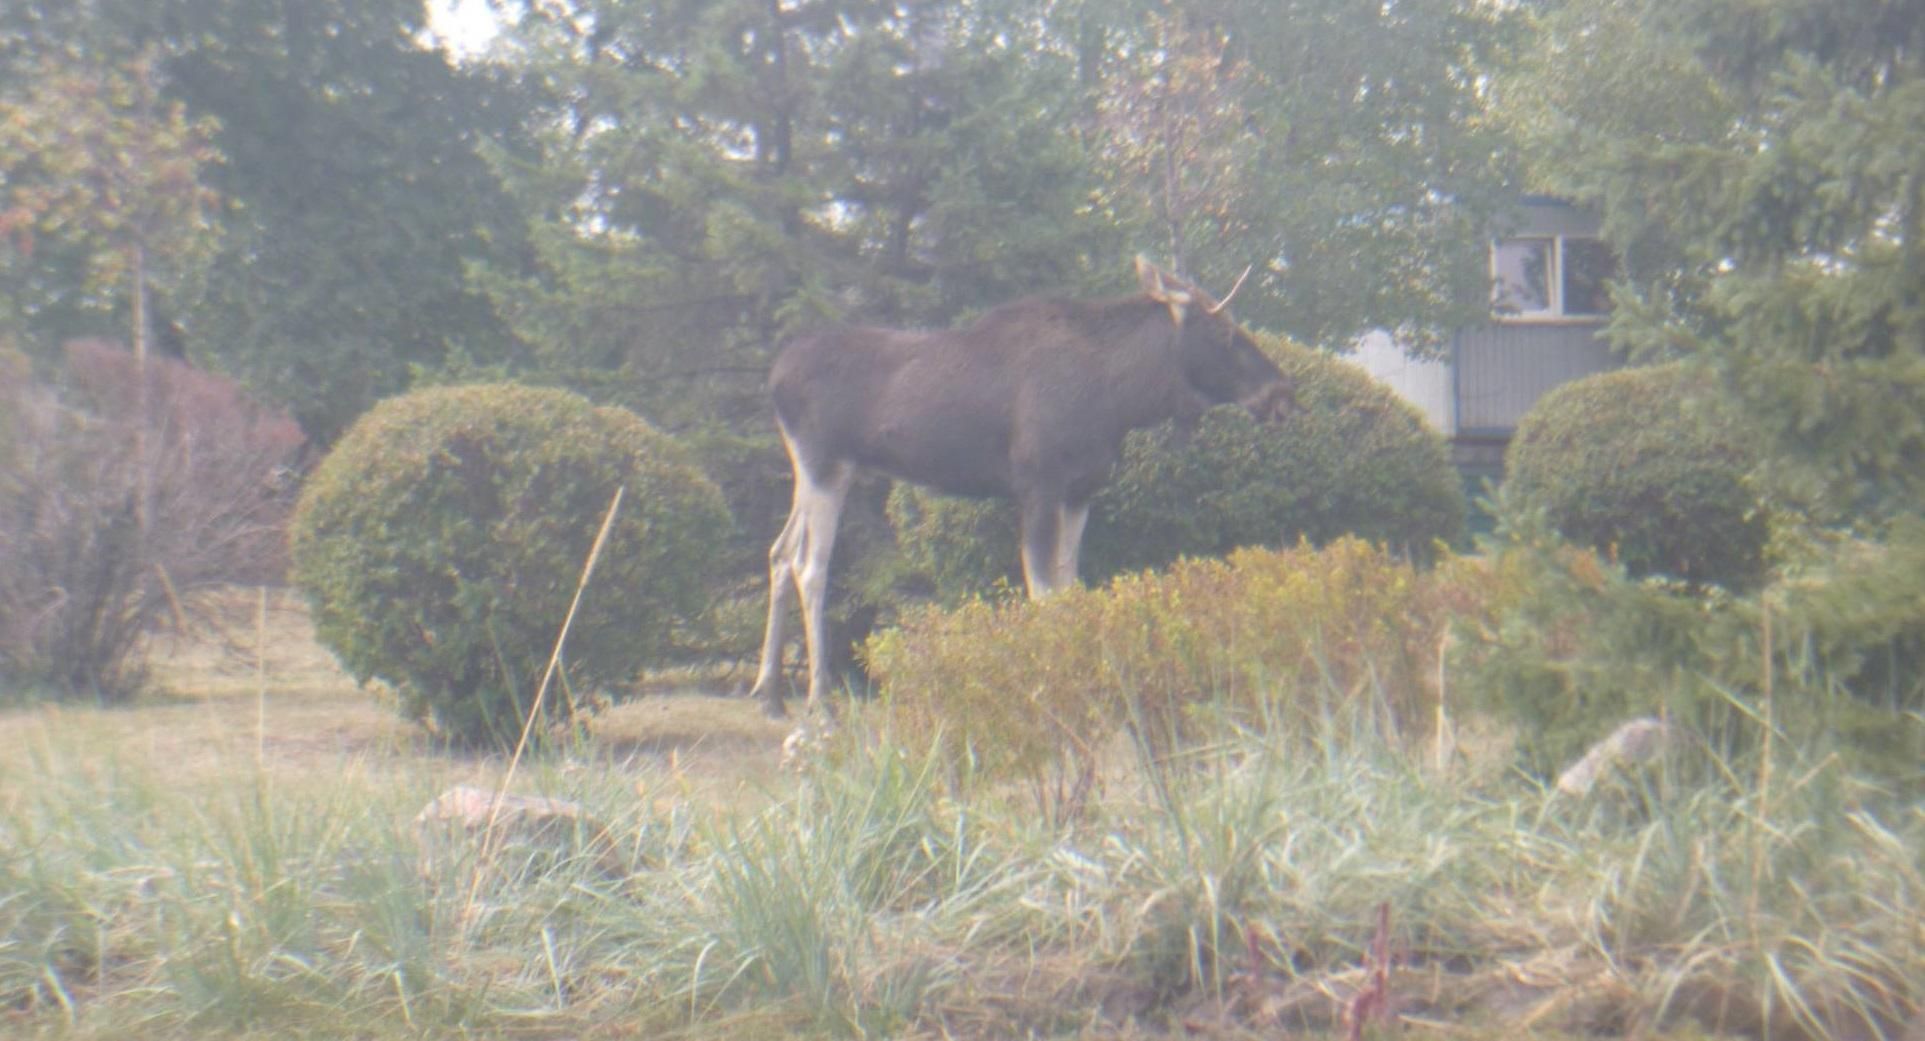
x=489 y=832
x=260 y=686
x=1372 y=1003
x=1446 y=741
x=173 y=597
x=1762 y=823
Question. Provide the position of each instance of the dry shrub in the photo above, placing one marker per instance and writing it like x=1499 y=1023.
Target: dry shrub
x=1265 y=639
x=109 y=524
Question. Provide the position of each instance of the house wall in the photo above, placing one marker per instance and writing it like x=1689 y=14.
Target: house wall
x=1424 y=382
x=1503 y=369
x=1540 y=215
x=1494 y=373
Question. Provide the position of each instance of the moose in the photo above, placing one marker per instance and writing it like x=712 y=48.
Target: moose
x=1030 y=403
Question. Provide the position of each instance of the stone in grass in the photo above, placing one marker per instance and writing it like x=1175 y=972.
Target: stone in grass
x=1635 y=742
x=534 y=834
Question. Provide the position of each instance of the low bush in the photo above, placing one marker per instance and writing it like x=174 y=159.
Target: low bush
x=441 y=542
x=1352 y=459
x=1569 y=644
x=1558 y=643
x=1647 y=465
x=118 y=505
x=1269 y=639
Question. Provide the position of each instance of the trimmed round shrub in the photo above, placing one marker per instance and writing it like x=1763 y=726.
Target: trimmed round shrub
x=1351 y=459
x=441 y=541
x=1647 y=465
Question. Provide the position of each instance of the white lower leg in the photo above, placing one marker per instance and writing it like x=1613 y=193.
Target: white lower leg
x=768 y=679
x=822 y=511
x=1069 y=543
x=1039 y=541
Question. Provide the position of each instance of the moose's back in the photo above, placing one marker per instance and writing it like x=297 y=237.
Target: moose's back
x=944 y=408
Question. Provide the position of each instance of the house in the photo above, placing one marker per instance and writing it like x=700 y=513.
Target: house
x=1548 y=274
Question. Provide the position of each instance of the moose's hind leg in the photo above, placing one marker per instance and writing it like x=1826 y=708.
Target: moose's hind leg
x=782 y=564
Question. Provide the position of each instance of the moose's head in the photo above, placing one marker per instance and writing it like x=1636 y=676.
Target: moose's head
x=1220 y=361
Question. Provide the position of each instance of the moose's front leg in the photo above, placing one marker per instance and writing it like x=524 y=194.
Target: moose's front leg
x=1069 y=543
x=821 y=501
x=1042 y=523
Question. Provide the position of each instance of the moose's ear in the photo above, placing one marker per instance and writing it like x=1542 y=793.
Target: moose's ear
x=1149 y=277
x=1156 y=285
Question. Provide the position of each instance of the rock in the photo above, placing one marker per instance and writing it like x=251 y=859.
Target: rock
x=1637 y=741
x=533 y=834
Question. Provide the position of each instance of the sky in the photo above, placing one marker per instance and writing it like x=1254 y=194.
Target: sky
x=463 y=26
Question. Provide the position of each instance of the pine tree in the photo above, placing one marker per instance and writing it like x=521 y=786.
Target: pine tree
x=715 y=177
x=1762 y=165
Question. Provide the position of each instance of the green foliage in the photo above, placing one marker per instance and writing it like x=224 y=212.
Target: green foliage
x=864 y=899
x=1031 y=689
x=352 y=224
x=1649 y=465
x=102 y=205
x=1755 y=160
x=441 y=541
x=902 y=163
x=352 y=193
x=1352 y=459
x=1341 y=147
x=1551 y=639
x=1568 y=646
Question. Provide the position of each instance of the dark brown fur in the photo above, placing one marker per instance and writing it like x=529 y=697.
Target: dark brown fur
x=1029 y=403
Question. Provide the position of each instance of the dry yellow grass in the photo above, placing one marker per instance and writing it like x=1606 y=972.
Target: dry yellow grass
x=234 y=692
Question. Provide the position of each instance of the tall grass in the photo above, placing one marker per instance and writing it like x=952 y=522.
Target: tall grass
x=1237 y=878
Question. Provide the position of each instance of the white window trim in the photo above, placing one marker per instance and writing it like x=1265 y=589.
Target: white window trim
x=1554 y=314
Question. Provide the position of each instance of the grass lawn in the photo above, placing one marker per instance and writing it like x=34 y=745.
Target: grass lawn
x=235 y=857
x=249 y=724
x=243 y=694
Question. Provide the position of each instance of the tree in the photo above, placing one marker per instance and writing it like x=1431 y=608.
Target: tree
x=361 y=197
x=714 y=177
x=1776 y=229
x=1340 y=147
x=354 y=192
x=96 y=163
x=1172 y=122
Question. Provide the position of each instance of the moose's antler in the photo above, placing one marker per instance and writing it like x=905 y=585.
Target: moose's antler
x=1158 y=287
x=1225 y=302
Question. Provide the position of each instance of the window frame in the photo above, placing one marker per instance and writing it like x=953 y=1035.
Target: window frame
x=1554 y=314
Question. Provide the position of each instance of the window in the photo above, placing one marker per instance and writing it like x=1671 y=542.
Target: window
x=1551 y=277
